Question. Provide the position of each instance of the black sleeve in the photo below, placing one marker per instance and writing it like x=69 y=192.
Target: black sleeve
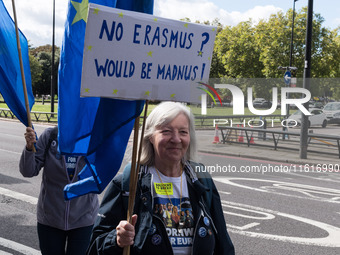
x=111 y=212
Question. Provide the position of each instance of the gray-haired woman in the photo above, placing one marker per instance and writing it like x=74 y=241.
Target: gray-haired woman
x=168 y=177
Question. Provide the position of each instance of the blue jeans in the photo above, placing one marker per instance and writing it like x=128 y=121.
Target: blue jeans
x=54 y=241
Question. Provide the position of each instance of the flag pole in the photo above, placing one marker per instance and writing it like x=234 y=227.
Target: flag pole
x=22 y=69
x=135 y=165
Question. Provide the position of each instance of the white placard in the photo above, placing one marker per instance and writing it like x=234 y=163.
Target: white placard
x=131 y=55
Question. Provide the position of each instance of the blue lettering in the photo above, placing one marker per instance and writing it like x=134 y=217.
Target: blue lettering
x=147 y=31
x=146 y=74
x=187 y=73
x=136 y=33
x=156 y=36
x=106 y=29
x=101 y=68
x=194 y=73
x=174 y=72
x=161 y=71
x=111 y=68
x=182 y=40
x=117 y=32
x=132 y=69
x=190 y=41
x=164 y=33
x=168 y=73
x=115 y=68
x=173 y=38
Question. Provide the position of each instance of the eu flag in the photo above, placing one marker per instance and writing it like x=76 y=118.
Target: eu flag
x=11 y=86
x=96 y=127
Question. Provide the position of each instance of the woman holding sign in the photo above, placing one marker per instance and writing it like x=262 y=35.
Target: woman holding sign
x=170 y=180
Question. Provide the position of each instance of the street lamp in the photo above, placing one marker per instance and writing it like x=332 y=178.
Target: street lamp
x=52 y=65
x=306 y=80
x=290 y=67
x=292 y=36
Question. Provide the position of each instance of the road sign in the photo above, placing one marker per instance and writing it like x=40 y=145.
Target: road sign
x=287 y=77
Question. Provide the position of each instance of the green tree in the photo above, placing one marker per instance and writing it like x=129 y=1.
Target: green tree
x=236 y=50
x=35 y=72
x=41 y=62
x=250 y=50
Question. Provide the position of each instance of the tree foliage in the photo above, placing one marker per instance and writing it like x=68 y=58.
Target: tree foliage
x=41 y=64
x=250 y=50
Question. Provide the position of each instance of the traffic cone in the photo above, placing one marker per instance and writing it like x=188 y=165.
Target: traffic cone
x=252 y=138
x=240 y=137
x=216 y=138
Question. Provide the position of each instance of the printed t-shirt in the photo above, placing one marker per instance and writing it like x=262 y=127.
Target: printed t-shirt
x=177 y=214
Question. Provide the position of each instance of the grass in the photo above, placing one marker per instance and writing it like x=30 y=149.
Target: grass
x=37 y=107
x=216 y=111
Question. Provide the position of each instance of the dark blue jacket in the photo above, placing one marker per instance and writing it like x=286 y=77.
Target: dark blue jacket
x=113 y=210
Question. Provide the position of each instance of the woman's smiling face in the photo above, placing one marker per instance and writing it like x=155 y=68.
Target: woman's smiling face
x=171 y=141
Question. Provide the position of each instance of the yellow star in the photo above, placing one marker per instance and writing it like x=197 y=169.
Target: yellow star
x=120 y=15
x=186 y=25
x=200 y=53
x=147 y=93
x=87 y=90
x=209 y=58
x=115 y=91
x=172 y=95
x=81 y=9
x=96 y=11
x=150 y=53
x=89 y=48
x=155 y=19
x=213 y=29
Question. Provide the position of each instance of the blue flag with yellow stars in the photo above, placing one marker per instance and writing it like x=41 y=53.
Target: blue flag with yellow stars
x=11 y=87
x=98 y=128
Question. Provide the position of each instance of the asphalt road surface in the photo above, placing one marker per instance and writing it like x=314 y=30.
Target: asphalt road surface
x=268 y=209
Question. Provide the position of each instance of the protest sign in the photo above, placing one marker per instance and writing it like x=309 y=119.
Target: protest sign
x=130 y=55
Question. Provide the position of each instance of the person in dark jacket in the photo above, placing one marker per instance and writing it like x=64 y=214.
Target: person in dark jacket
x=64 y=227
x=168 y=177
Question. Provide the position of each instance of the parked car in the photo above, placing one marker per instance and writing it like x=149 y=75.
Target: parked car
x=316 y=105
x=318 y=118
x=261 y=103
x=332 y=111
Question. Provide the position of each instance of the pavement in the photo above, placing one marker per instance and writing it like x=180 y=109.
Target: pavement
x=205 y=144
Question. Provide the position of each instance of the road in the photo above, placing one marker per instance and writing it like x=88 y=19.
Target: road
x=276 y=212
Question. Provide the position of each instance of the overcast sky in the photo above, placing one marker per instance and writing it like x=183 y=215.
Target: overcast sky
x=35 y=16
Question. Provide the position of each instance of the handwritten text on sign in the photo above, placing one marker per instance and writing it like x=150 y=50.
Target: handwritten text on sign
x=132 y=55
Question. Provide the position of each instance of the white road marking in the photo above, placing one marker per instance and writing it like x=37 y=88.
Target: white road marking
x=16 y=136
x=224 y=192
x=245 y=227
x=18 y=247
x=14 y=152
x=19 y=196
x=267 y=216
x=5 y=253
x=331 y=240
x=310 y=192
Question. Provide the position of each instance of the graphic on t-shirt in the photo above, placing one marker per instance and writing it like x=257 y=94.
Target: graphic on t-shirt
x=71 y=162
x=178 y=219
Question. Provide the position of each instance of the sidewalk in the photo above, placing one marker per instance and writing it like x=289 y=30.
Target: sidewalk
x=205 y=144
